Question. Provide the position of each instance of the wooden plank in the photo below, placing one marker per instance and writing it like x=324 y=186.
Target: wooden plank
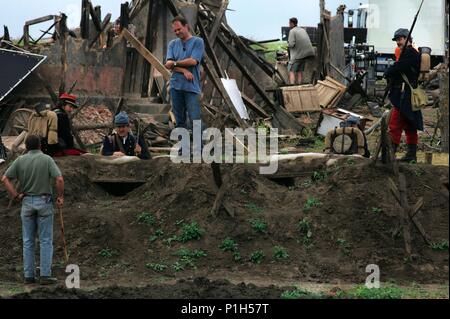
x=39 y=20
x=327 y=93
x=301 y=99
x=218 y=22
x=255 y=107
x=147 y=54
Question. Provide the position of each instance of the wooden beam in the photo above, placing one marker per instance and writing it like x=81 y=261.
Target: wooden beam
x=218 y=22
x=255 y=107
x=285 y=119
x=26 y=36
x=44 y=33
x=210 y=50
x=95 y=19
x=84 y=24
x=147 y=54
x=104 y=26
x=404 y=214
x=253 y=81
x=39 y=20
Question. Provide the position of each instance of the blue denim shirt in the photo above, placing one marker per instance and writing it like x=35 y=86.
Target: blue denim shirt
x=178 y=50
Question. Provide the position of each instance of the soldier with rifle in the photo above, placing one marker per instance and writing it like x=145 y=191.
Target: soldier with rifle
x=403 y=118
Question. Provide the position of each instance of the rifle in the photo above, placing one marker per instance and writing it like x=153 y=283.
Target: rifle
x=389 y=85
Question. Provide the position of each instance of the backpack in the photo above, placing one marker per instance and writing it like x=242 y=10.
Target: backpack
x=345 y=141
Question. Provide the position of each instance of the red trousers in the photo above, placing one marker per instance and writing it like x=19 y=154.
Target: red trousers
x=397 y=125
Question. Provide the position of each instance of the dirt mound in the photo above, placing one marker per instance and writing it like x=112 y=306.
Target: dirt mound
x=324 y=225
x=199 y=288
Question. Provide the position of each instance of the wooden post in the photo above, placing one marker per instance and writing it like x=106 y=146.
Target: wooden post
x=63 y=41
x=84 y=24
x=444 y=112
x=26 y=36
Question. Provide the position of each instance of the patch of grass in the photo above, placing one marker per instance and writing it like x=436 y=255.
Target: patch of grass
x=147 y=195
x=319 y=143
x=351 y=161
x=319 y=176
x=440 y=246
x=376 y=210
x=259 y=226
x=146 y=218
x=280 y=253
x=419 y=172
x=254 y=208
x=156 y=267
x=299 y=293
x=228 y=244
x=237 y=256
x=311 y=203
x=190 y=232
x=158 y=234
x=184 y=263
x=257 y=257
x=168 y=242
x=177 y=266
x=344 y=245
x=108 y=253
x=305 y=229
x=362 y=292
x=185 y=252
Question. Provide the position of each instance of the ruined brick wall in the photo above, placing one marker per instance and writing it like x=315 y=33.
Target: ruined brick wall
x=97 y=72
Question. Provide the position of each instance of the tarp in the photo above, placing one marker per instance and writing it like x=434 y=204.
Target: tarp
x=15 y=66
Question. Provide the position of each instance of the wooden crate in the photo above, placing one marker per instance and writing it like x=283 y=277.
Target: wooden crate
x=304 y=98
x=330 y=92
x=327 y=93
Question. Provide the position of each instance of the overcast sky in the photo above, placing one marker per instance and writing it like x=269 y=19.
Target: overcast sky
x=256 y=19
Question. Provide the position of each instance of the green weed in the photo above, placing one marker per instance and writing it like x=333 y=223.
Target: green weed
x=108 y=253
x=259 y=226
x=311 y=203
x=280 y=253
x=156 y=267
x=440 y=246
x=228 y=244
x=257 y=257
x=146 y=218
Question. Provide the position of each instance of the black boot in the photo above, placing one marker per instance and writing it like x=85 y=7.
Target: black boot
x=411 y=154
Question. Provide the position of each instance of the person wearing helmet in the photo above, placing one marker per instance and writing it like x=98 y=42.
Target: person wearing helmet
x=122 y=142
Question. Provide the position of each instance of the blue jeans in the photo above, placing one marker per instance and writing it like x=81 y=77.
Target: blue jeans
x=37 y=216
x=185 y=102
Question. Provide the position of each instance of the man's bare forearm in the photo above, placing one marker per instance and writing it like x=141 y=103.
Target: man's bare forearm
x=60 y=186
x=9 y=186
x=186 y=63
x=179 y=69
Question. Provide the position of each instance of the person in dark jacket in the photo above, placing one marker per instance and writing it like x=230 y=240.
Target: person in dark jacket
x=122 y=142
x=403 y=118
x=67 y=105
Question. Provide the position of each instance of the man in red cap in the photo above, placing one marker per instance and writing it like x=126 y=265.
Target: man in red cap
x=65 y=137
